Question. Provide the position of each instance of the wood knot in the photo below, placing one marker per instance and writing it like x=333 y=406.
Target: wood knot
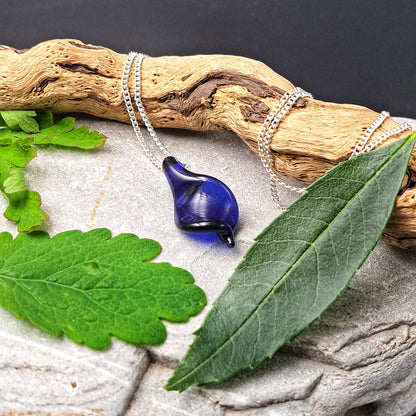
x=253 y=110
x=200 y=94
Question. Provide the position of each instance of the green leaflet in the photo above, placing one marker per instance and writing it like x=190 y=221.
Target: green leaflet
x=297 y=267
x=14 y=155
x=24 y=205
x=24 y=209
x=19 y=120
x=63 y=133
x=89 y=286
x=17 y=149
x=15 y=181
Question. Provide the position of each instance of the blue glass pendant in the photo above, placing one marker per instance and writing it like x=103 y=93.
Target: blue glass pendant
x=203 y=204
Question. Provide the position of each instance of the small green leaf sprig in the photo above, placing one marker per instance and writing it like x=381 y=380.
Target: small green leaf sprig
x=21 y=132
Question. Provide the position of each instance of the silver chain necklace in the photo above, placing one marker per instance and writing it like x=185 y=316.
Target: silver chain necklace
x=269 y=127
x=226 y=225
x=272 y=121
x=202 y=204
x=130 y=110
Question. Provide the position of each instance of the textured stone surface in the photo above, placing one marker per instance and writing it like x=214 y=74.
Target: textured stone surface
x=45 y=375
x=152 y=399
x=116 y=187
x=360 y=355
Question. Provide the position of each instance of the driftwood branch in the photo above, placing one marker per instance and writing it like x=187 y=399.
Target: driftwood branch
x=201 y=93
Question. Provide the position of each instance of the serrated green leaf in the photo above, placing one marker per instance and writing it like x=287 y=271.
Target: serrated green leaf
x=24 y=205
x=17 y=149
x=297 y=266
x=44 y=119
x=60 y=134
x=14 y=155
x=24 y=209
x=7 y=140
x=15 y=181
x=90 y=286
x=20 y=120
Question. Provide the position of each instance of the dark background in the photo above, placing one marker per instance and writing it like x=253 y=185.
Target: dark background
x=356 y=51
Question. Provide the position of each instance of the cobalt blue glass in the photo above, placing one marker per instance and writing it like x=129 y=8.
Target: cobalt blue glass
x=203 y=204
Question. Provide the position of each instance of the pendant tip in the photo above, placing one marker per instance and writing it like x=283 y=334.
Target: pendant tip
x=230 y=242
x=227 y=238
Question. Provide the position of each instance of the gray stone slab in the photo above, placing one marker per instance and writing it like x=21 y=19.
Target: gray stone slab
x=44 y=375
x=116 y=187
x=365 y=339
x=152 y=399
x=283 y=379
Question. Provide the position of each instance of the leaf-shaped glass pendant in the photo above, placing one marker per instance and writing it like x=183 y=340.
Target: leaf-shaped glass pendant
x=203 y=204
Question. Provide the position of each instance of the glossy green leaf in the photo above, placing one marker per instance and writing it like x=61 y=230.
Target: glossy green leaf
x=90 y=286
x=297 y=267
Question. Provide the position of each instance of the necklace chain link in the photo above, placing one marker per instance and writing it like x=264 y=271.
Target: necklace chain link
x=272 y=121
x=364 y=144
x=266 y=133
x=139 y=104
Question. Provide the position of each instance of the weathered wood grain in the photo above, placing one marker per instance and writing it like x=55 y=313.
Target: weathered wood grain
x=201 y=93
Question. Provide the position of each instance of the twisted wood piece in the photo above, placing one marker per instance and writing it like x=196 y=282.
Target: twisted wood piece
x=202 y=93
